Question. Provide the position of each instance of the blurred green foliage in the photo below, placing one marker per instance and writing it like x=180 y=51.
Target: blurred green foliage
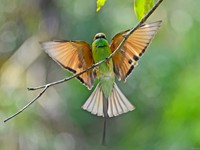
x=164 y=87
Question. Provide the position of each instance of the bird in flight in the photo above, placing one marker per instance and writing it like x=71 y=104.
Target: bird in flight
x=106 y=100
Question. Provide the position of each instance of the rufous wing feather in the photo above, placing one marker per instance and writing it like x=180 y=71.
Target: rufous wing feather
x=127 y=57
x=74 y=56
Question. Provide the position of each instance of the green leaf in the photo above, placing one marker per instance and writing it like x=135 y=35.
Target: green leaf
x=141 y=7
x=100 y=3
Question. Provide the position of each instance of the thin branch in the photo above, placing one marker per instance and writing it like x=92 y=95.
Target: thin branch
x=45 y=87
x=31 y=102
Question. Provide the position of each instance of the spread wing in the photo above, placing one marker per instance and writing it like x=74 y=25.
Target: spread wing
x=126 y=58
x=74 y=56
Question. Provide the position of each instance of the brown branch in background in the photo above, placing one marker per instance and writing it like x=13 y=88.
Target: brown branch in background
x=45 y=87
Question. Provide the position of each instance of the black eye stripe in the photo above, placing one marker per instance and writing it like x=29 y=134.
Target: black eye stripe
x=102 y=36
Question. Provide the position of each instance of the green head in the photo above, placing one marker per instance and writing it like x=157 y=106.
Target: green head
x=100 y=40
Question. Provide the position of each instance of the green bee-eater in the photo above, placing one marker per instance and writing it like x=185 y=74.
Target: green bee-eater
x=106 y=100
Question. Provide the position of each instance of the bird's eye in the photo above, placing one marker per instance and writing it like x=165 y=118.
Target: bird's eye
x=103 y=36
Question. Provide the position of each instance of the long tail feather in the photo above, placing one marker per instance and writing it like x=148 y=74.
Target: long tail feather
x=105 y=110
x=104 y=131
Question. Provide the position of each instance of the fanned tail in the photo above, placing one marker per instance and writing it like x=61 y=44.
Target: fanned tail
x=94 y=103
x=117 y=103
x=114 y=105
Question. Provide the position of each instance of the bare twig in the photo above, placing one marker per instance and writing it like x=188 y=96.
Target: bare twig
x=21 y=110
x=45 y=87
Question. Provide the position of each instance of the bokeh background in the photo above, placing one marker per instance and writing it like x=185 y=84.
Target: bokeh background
x=164 y=87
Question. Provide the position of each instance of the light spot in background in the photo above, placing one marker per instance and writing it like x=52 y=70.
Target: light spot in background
x=24 y=140
x=51 y=102
x=7 y=36
x=13 y=69
x=64 y=141
x=181 y=21
x=11 y=76
x=36 y=74
x=50 y=24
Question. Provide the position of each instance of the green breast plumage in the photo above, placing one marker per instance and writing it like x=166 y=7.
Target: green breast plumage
x=101 y=50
